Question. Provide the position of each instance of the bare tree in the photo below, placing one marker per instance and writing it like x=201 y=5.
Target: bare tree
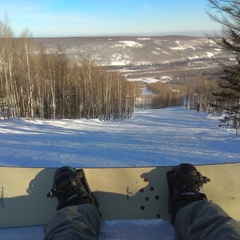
x=35 y=82
x=7 y=55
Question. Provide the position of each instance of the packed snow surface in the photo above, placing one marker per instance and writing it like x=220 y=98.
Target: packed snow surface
x=152 y=137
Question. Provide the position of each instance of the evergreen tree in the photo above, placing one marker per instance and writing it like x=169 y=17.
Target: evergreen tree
x=227 y=13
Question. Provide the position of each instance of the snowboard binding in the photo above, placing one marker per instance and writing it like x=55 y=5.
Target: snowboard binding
x=70 y=187
x=185 y=185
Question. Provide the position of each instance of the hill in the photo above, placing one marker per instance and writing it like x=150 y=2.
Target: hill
x=141 y=57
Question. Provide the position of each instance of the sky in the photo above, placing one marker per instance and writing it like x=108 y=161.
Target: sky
x=72 y=18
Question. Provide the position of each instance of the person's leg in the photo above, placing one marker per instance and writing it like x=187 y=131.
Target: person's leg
x=205 y=220
x=77 y=216
x=73 y=223
x=193 y=216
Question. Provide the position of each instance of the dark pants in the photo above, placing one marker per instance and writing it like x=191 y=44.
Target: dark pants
x=204 y=220
x=74 y=223
x=201 y=220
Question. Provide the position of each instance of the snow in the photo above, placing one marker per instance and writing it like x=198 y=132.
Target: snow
x=209 y=54
x=129 y=44
x=145 y=91
x=162 y=79
x=146 y=79
x=152 y=137
x=144 y=39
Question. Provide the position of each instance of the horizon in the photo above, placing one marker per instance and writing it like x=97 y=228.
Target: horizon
x=100 y=18
x=198 y=34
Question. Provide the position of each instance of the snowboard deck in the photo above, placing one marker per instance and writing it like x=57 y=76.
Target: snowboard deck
x=123 y=193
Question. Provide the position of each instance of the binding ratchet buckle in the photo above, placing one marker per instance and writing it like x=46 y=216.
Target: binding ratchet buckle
x=50 y=194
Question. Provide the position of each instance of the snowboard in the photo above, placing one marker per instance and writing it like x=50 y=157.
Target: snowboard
x=123 y=193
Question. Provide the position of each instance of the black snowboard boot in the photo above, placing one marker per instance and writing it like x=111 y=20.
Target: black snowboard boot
x=185 y=186
x=70 y=187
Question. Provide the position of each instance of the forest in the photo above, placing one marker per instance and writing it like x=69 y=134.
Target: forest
x=36 y=83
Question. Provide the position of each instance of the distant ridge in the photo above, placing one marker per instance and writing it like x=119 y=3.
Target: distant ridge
x=135 y=50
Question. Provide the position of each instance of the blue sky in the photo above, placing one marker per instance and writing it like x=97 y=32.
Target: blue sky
x=61 y=18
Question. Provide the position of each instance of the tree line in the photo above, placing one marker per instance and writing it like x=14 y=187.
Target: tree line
x=192 y=96
x=35 y=83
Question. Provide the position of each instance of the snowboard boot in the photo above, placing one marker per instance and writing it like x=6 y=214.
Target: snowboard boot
x=185 y=186
x=70 y=187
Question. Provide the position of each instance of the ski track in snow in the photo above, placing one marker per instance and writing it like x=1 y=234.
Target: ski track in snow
x=156 y=137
